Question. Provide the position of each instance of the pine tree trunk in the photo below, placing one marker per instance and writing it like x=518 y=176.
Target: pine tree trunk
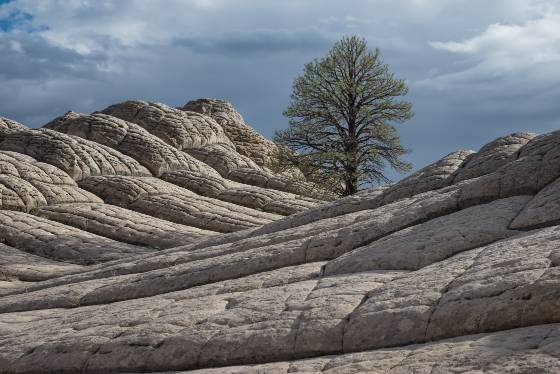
x=351 y=187
x=351 y=183
x=351 y=148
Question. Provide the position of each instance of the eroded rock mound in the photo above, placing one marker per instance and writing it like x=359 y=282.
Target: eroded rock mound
x=131 y=140
x=178 y=128
x=26 y=184
x=78 y=157
x=247 y=141
x=151 y=239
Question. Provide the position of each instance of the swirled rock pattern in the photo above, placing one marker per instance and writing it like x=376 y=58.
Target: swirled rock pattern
x=178 y=128
x=16 y=264
x=247 y=141
x=124 y=225
x=49 y=239
x=129 y=139
x=202 y=137
x=26 y=184
x=266 y=199
x=164 y=200
x=77 y=157
x=152 y=239
x=7 y=126
x=169 y=163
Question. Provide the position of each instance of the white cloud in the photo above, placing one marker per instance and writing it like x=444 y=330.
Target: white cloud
x=516 y=52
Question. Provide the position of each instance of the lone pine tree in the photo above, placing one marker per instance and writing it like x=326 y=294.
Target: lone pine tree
x=341 y=116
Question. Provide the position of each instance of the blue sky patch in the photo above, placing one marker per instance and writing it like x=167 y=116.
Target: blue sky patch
x=14 y=19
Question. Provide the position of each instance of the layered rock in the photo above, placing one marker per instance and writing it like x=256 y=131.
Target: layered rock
x=177 y=262
x=202 y=137
x=492 y=156
x=183 y=130
x=169 y=163
x=77 y=157
x=19 y=265
x=123 y=225
x=167 y=201
x=247 y=141
x=27 y=185
x=131 y=140
x=51 y=240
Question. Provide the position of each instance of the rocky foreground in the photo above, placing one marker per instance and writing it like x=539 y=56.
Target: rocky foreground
x=145 y=238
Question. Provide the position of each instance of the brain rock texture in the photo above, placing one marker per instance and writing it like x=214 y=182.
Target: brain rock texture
x=146 y=238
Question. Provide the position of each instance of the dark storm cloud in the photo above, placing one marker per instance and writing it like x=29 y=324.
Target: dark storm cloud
x=242 y=43
x=29 y=56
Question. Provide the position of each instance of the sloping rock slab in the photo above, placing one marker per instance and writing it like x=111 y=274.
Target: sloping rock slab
x=164 y=200
x=53 y=240
x=123 y=225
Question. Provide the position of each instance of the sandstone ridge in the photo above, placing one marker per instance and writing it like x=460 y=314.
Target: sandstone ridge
x=146 y=238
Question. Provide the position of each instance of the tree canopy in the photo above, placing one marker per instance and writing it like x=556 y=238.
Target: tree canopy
x=341 y=115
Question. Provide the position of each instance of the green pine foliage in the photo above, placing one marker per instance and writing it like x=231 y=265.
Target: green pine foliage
x=341 y=115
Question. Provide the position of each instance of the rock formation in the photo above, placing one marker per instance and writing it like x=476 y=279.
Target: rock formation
x=247 y=141
x=145 y=238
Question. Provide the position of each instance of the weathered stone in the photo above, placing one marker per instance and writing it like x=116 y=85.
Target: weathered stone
x=18 y=194
x=164 y=200
x=350 y=204
x=268 y=200
x=247 y=141
x=492 y=156
x=421 y=245
x=78 y=157
x=123 y=225
x=309 y=313
x=202 y=184
x=500 y=286
x=369 y=283
x=131 y=140
x=266 y=179
x=19 y=265
x=90 y=292
x=317 y=241
x=180 y=270
x=53 y=240
x=399 y=313
x=181 y=129
x=509 y=279
x=8 y=126
x=223 y=158
x=432 y=177
x=26 y=184
x=537 y=164
x=202 y=137
x=543 y=210
x=524 y=350
x=377 y=223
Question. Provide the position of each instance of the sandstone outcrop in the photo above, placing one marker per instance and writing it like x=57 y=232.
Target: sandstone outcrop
x=247 y=141
x=27 y=184
x=145 y=238
x=202 y=137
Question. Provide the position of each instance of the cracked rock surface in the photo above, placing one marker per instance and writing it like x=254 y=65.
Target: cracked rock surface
x=145 y=238
x=247 y=141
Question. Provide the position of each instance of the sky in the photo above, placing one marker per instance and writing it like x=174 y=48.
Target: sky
x=476 y=69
